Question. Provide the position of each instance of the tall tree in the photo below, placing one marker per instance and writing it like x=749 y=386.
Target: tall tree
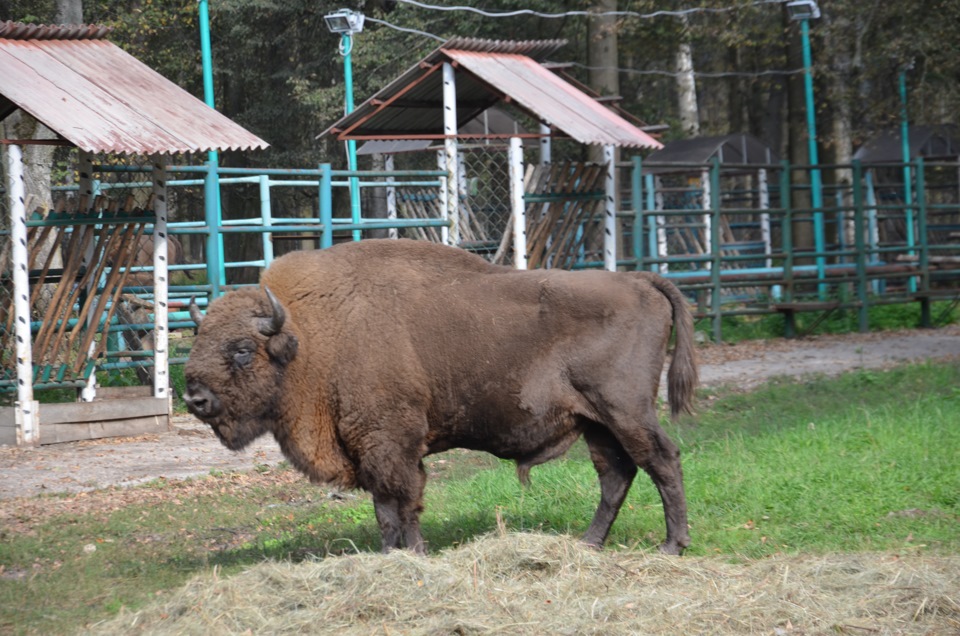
x=602 y=56
x=687 y=107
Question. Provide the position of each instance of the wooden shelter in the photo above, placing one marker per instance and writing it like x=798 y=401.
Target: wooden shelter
x=100 y=100
x=435 y=100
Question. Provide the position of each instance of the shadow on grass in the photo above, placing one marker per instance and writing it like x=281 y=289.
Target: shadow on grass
x=305 y=545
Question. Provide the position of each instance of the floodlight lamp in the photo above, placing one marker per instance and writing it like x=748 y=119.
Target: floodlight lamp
x=803 y=10
x=344 y=21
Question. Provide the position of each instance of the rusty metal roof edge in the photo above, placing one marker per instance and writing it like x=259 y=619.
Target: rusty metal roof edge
x=10 y=30
x=534 y=49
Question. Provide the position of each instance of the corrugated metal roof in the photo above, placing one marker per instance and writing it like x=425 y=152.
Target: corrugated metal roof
x=931 y=141
x=553 y=100
x=488 y=71
x=736 y=149
x=101 y=99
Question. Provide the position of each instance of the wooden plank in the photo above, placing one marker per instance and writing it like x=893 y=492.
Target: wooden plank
x=8 y=426
x=63 y=432
x=101 y=410
x=117 y=392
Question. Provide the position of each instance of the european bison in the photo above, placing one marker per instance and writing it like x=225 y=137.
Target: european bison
x=364 y=358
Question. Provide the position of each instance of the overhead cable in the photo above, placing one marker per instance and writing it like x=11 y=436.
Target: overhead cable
x=565 y=14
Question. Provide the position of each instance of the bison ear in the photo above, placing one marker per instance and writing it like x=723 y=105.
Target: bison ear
x=283 y=347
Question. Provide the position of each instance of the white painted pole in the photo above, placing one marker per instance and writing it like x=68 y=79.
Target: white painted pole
x=161 y=334
x=661 y=225
x=519 y=217
x=764 y=191
x=89 y=194
x=26 y=416
x=450 y=151
x=610 y=226
x=265 y=217
x=705 y=204
x=445 y=230
x=546 y=147
x=391 y=197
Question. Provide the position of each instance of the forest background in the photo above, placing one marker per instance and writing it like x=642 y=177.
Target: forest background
x=277 y=70
x=698 y=67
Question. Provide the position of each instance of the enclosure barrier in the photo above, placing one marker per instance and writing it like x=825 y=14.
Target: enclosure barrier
x=761 y=248
x=738 y=240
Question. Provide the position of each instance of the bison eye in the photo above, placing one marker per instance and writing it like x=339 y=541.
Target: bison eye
x=242 y=356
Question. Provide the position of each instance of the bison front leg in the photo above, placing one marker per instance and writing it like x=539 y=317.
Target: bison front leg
x=399 y=524
x=395 y=476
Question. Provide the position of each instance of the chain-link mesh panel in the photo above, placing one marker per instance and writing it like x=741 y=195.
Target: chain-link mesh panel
x=485 y=199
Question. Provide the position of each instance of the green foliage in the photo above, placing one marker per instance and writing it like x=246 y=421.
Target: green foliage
x=880 y=318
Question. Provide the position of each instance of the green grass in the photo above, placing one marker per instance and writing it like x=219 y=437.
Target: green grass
x=864 y=462
x=880 y=318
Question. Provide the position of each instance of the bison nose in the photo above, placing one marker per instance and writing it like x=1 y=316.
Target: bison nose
x=201 y=401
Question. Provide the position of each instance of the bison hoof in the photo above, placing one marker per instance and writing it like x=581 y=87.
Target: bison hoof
x=671 y=547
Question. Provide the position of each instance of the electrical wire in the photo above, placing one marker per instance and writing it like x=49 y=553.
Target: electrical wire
x=634 y=71
x=405 y=29
x=699 y=74
x=634 y=14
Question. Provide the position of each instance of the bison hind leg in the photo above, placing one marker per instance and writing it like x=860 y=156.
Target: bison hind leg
x=616 y=471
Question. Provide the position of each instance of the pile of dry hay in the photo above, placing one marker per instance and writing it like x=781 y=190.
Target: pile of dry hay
x=538 y=584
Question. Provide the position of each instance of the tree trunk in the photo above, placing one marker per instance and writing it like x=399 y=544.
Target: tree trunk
x=687 y=87
x=798 y=136
x=839 y=41
x=69 y=12
x=602 y=58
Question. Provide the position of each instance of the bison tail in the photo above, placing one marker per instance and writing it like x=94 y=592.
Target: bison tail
x=682 y=377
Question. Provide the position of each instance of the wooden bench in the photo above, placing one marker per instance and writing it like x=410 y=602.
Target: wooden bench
x=790 y=310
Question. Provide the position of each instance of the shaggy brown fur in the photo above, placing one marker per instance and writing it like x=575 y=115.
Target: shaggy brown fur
x=376 y=353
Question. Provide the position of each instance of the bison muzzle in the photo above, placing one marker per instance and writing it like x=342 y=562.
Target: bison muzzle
x=364 y=358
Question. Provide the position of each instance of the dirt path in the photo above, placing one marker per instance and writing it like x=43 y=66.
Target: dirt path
x=191 y=449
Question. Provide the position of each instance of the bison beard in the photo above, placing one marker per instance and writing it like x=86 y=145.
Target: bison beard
x=364 y=358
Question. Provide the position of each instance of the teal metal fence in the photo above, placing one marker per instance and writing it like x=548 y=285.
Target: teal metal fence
x=738 y=240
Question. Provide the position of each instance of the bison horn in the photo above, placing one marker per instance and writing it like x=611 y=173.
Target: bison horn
x=273 y=326
x=195 y=314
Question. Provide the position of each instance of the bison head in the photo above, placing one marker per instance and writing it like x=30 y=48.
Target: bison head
x=235 y=371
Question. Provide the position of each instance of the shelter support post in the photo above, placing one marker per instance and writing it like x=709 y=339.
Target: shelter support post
x=450 y=152
x=546 y=148
x=88 y=194
x=161 y=279
x=26 y=409
x=444 y=197
x=611 y=231
x=516 y=203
